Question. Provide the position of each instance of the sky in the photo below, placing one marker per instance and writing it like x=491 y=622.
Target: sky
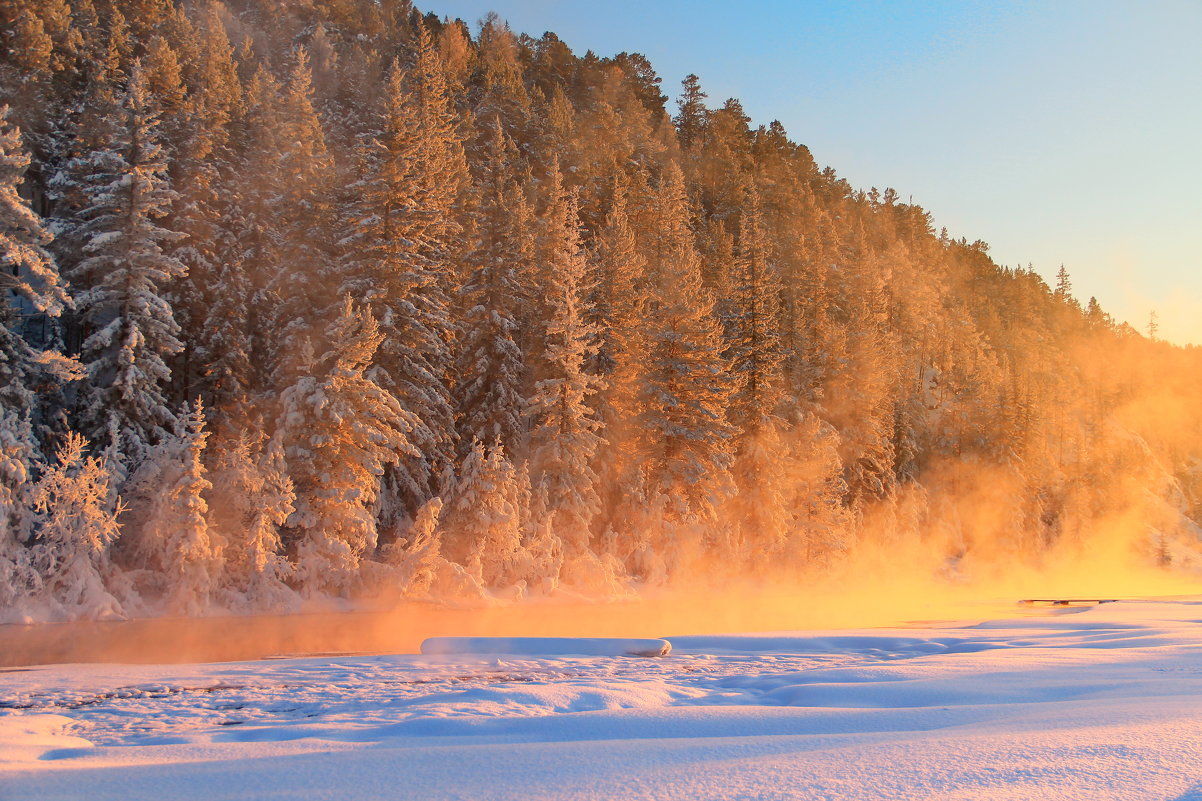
x=1061 y=133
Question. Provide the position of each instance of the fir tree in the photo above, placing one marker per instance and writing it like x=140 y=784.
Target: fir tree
x=755 y=356
x=692 y=118
x=19 y=581
x=177 y=533
x=299 y=227
x=484 y=521
x=250 y=499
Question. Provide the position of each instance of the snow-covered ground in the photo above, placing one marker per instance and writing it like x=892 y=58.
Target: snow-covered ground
x=1075 y=703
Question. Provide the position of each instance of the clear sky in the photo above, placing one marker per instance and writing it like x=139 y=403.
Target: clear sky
x=1062 y=132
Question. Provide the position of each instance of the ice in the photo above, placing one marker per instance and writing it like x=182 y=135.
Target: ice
x=1102 y=704
x=547 y=646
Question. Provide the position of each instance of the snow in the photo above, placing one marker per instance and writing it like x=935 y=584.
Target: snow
x=547 y=646
x=1099 y=702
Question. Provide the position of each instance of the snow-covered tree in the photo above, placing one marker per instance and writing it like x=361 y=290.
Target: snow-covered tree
x=683 y=446
x=339 y=430
x=484 y=521
x=76 y=524
x=755 y=355
x=492 y=367
x=298 y=224
x=416 y=556
x=563 y=437
x=121 y=281
x=18 y=578
x=29 y=278
x=396 y=259
x=250 y=500
x=175 y=534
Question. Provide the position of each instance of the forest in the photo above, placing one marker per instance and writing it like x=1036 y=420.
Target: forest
x=337 y=300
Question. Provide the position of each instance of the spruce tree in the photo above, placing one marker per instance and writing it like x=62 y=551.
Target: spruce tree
x=121 y=279
x=491 y=365
x=176 y=536
x=484 y=521
x=299 y=227
x=396 y=260
x=19 y=580
x=563 y=437
x=683 y=446
x=755 y=356
x=76 y=525
x=340 y=430
x=29 y=276
x=250 y=500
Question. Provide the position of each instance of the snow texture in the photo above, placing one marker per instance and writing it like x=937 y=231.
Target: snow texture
x=1062 y=703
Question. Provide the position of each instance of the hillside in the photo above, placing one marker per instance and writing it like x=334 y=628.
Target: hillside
x=341 y=300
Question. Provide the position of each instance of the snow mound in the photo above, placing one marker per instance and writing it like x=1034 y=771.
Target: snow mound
x=24 y=738
x=546 y=646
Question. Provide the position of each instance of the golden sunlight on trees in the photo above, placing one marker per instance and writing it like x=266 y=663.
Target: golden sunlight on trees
x=309 y=301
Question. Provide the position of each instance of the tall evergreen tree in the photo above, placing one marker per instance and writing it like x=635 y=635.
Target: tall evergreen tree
x=176 y=535
x=492 y=368
x=755 y=355
x=121 y=279
x=300 y=225
x=29 y=277
x=396 y=259
x=563 y=438
x=683 y=449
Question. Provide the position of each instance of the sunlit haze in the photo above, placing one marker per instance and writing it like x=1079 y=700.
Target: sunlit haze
x=1060 y=133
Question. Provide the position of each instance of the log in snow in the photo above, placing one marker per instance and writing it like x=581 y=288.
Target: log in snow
x=546 y=646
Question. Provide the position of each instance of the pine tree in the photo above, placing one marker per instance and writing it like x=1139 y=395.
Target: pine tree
x=618 y=305
x=693 y=115
x=121 y=279
x=755 y=356
x=340 y=430
x=1064 y=286
x=755 y=352
x=210 y=302
x=300 y=225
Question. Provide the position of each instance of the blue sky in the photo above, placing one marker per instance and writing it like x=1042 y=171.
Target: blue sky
x=1066 y=132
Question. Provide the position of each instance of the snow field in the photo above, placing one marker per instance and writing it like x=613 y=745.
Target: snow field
x=1086 y=703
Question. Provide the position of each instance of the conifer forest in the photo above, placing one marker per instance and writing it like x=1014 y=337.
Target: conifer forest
x=338 y=301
